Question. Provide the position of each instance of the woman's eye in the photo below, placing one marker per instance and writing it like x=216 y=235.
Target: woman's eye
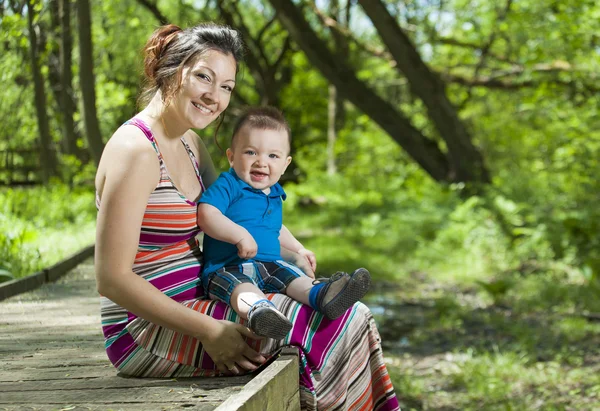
x=203 y=76
x=229 y=89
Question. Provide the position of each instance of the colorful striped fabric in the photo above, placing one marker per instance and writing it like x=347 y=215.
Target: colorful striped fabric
x=342 y=365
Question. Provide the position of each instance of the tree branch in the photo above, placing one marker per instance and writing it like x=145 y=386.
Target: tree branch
x=460 y=43
x=486 y=48
x=284 y=49
x=345 y=32
x=424 y=150
x=262 y=31
x=245 y=31
x=153 y=8
x=495 y=83
x=465 y=159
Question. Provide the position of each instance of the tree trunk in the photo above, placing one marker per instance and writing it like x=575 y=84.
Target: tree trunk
x=331 y=130
x=48 y=160
x=66 y=62
x=87 y=81
x=465 y=160
x=422 y=149
x=54 y=54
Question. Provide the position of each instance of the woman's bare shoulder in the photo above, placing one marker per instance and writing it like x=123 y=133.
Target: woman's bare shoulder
x=126 y=151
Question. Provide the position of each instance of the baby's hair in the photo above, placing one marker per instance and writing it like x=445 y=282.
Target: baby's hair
x=262 y=118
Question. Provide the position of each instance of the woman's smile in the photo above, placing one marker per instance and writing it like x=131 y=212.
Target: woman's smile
x=202 y=108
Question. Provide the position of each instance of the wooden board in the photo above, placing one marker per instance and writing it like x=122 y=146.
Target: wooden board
x=52 y=357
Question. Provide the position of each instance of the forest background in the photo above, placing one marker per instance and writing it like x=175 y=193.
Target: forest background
x=450 y=146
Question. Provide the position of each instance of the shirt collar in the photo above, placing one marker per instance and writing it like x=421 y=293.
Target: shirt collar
x=276 y=189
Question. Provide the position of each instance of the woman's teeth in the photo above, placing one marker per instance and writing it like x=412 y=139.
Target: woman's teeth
x=202 y=108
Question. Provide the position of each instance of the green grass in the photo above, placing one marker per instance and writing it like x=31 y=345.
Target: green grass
x=39 y=226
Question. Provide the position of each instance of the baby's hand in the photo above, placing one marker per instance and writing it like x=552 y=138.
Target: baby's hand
x=247 y=247
x=310 y=257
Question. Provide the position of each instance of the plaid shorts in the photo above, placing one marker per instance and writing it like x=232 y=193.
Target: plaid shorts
x=270 y=277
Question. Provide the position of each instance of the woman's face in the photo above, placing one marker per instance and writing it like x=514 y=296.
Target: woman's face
x=206 y=89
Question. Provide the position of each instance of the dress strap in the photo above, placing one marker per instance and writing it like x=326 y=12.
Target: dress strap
x=141 y=124
x=194 y=163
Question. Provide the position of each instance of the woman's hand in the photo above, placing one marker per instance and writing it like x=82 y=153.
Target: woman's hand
x=228 y=350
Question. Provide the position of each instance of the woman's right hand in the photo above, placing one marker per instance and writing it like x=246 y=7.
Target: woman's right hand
x=226 y=347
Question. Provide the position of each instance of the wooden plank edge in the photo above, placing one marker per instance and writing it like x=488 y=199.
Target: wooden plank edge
x=52 y=273
x=276 y=388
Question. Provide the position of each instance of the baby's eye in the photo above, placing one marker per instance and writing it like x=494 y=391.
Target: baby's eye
x=273 y=156
x=249 y=152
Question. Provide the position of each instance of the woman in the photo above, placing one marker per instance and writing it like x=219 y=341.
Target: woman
x=152 y=172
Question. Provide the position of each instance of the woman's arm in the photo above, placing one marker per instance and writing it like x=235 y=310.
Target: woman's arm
x=131 y=172
x=207 y=167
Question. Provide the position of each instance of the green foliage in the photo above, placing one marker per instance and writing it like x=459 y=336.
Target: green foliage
x=15 y=258
x=39 y=226
x=52 y=206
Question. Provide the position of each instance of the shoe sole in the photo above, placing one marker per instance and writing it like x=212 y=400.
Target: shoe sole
x=271 y=324
x=357 y=287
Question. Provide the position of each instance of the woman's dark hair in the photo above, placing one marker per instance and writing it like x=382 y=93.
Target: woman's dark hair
x=170 y=49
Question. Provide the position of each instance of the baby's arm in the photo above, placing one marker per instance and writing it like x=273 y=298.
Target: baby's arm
x=221 y=228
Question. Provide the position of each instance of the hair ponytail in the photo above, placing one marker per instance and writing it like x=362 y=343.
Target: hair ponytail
x=155 y=48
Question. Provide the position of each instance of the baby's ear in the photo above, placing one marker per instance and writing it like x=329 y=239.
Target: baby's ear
x=288 y=160
x=229 y=154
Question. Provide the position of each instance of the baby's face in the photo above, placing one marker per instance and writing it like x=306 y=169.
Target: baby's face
x=259 y=157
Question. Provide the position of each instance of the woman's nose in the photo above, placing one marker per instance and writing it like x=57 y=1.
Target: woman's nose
x=212 y=95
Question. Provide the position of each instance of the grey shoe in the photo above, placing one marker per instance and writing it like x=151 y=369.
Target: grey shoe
x=342 y=291
x=265 y=320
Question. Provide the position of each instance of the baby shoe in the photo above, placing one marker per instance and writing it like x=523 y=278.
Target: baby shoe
x=341 y=292
x=266 y=321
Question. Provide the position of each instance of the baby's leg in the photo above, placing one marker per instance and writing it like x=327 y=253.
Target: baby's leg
x=244 y=296
x=299 y=289
x=332 y=297
x=236 y=285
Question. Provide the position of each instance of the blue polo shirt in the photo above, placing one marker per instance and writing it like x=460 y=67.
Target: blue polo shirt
x=257 y=212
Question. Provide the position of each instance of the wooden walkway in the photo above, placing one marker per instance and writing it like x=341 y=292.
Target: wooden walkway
x=52 y=358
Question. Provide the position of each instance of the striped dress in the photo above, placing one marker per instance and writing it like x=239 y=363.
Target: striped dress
x=341 y=362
